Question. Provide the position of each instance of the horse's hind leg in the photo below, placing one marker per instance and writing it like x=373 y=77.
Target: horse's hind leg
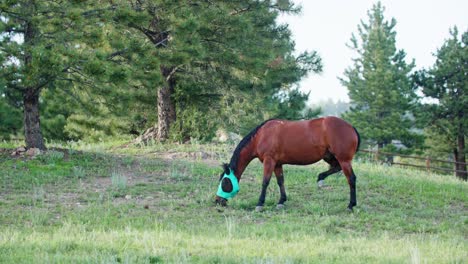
x=351 y=177
x=325 y=174
x=334 y=168
x=280 y=180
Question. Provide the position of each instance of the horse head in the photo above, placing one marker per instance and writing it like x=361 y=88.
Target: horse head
x=228 y=186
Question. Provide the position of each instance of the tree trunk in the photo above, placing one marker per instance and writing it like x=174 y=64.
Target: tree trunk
x=32 y=125
x=166 y=110
x=460 y=157
x=166 y=105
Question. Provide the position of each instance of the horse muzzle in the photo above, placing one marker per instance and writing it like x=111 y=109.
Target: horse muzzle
x=221 y=201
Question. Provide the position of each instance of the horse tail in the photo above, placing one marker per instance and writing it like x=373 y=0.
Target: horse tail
x=358 y=139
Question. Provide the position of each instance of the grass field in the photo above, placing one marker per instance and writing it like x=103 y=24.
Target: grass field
x=102 y=204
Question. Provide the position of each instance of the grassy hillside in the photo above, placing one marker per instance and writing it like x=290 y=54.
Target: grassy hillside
x=99 y=204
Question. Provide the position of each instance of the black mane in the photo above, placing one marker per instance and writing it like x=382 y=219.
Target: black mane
x=244 y=142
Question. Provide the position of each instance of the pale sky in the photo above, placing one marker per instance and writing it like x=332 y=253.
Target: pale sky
x=326 y=26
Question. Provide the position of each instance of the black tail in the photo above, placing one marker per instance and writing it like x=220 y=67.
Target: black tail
x=358 y=139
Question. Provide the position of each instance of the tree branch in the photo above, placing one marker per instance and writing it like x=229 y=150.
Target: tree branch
x=13 y=14
x=157 y=38
x=99 y=10
x=242 y=10
x=169 y=76
x=39 y=86
x=117 y=53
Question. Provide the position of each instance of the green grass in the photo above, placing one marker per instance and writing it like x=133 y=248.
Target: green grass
x=154 y=204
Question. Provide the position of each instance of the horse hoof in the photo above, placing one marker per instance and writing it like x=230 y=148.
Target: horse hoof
x=280 y=206
x=321 y=185
x=258 y=208
x=350 y=210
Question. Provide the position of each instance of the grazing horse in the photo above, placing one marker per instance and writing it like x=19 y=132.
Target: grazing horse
x=277 y=142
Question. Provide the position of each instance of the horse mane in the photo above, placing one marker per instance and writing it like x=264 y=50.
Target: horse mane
x=244 y=142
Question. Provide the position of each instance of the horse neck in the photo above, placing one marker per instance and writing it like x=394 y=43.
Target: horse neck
x=245 y=157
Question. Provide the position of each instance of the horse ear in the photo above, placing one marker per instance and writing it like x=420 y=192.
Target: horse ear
x=226 y=168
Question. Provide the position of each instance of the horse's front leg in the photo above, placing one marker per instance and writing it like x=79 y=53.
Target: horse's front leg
x=280 y=180
x=268 y=167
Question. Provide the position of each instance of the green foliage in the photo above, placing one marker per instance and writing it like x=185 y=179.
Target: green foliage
x=194 y=124
x=81 y=116
x=55 y=110
x=97 y=65
x=10 y=119
x=446 y=86
x=68 y=50
x=93 y=128
x=292 y=106
x=10 y=116
x=226 y=57
x=57 y=46
x=381 y=92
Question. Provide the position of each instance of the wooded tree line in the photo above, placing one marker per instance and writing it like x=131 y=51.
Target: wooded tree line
x=177 y=70
x=383 y=89
x=87 y=69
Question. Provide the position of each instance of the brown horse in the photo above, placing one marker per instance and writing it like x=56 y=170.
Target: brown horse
x=277 y=142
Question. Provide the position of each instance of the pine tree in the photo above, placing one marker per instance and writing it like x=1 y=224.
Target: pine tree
x=446 y=83
x=54 y=45
x=96 y=66
x=380 y=88
x=214 y=54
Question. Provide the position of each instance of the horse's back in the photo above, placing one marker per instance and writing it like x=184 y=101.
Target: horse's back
x=306 y=141
x=292 y=142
